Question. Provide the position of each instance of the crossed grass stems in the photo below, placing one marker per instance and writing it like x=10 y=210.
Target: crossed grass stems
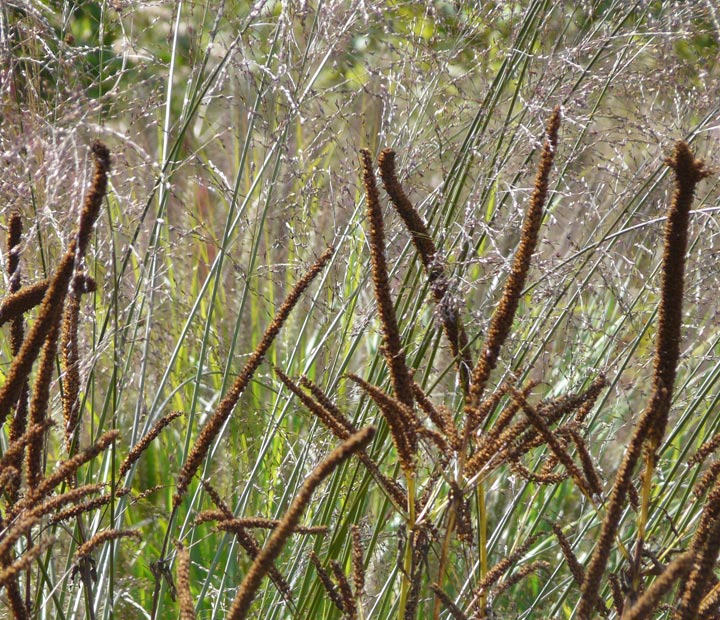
x=441 y=511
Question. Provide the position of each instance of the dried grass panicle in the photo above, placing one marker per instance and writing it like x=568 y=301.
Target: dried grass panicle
x=16 y=449
x=576 y=569
x=449 y=311
x=708 y=447
x=520 y=574
x=499 y=569
x=335 y=426
x=211 y=429
x=101 y=538
x=439 y=416
x=504 y=314
x=540 y=477
x=647 y=605
x=53 y=300
x=25 y=561
x=217 y=499
x=650 y=427
x=393 y=349
x=252 y=548
x=233 y=525
x=688 y=172
x=264 y=560
x=454 y=610
x=346 y=595
x=400 y=420
x=68 y=468
x=17 y=303
x=327 y=403
x=617 y=594
x=81 y=508
x=590 y=473
x=187 y=607
x=708 y=479
x=205 y=516
x=70 y=358
x=708 y=606
x=358 y=561
x=38 y=406
x=327 y=583
x=145 y=442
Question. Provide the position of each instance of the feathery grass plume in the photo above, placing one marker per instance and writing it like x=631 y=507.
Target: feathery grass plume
x=335 y=426
x=454 y=610
x=232 y=525
x=504 y=314
x=211 y=429
x=145 y=442
x=519 y=575
x=400 y=419
x=51 y=307
x=650 y=427
x=264 y=560
x=649 y=601
x=187 y=608
x=11 y=571
x=327 y=583
x=358 y=562
x=38 y=409
x=393 y=349
x=101 y=538
x=346 y=595
x=425 y=246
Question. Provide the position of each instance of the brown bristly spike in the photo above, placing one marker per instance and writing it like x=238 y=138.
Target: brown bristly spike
x=520 y=574
x=709 y=604
x=425 y=246
x=68 y=468
x=504 y=314
x=19 y=302
x=145 y=442
x=358 y=562
x=617 y=594
x=647 y=605
x=82 y=508
x=393 y=350
x=335 y=426
x=252 y=548
x=9 y=476
x=436 y=438
x=327 y=582
x=187 y=607
x=538 y=477
x=101 y=538
x=400 y=420
x=70 y=358
x=346 y=595
x=439 y=416
x=217 y=499
x=233 y=525
x=589 y=471
x=13 y=455
x=206 y=516
x=590 y=398
x=650 y=427
x=8 y=573
x=38 y=407
x=327 y=403
x=264 y=560
x=576 y=569
x=211 y=429
x=706 y=448
x=707 y=480
x=688 y=172
x=704 y=548
x=52 y=303
x=497 y=571
x=454 y=610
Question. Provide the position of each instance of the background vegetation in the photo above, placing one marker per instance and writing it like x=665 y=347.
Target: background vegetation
x=234 y=130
